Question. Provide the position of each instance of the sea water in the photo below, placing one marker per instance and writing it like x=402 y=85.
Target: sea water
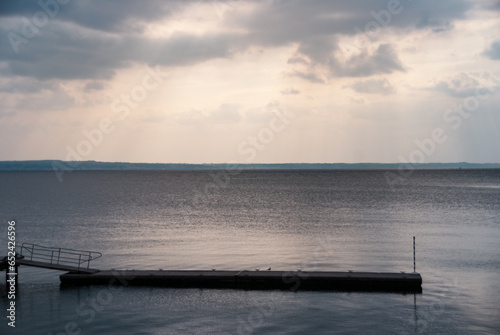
x=310 y=220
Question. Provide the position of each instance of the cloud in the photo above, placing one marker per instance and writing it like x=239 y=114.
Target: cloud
x=493 y=5
x=297 y=60
x=309 y=76
x=326 y=58
x=103 y=15
x=383 y=60
x=25 y=85
x=60 y=52
x=316 y=27
x=465 y=85
x=92 y=39
x=318 y=49
x=93 y=86
x=56 y=99
x=437 y=25
x=493 y=51
x=290 y=91
x=373 y=86
x=282 y=22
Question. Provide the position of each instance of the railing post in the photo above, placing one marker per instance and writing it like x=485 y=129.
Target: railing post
x=58 y=256
x=51 y=256
x=90 y=257
x=79 y=260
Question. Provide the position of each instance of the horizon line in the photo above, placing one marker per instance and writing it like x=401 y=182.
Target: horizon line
x=246 y=163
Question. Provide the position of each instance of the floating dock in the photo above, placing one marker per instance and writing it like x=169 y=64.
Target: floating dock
x=248 y=280
x=77 y=265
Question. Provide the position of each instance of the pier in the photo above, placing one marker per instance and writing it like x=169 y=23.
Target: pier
x=76 y=264
x=248 y=280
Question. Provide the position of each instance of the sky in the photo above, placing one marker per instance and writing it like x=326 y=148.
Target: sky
x=263 y=81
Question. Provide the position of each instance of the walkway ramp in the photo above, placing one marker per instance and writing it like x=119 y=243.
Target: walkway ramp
x=72 y=260
x=61 y=267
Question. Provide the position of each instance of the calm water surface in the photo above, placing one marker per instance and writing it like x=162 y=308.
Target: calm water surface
x=287 y=220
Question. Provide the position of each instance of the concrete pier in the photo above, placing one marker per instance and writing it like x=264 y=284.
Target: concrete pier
x=287 y=280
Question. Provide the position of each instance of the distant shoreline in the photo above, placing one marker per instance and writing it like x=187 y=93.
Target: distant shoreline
x=57 y=165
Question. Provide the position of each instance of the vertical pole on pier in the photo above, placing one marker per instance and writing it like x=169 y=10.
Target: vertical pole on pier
x=414 y=254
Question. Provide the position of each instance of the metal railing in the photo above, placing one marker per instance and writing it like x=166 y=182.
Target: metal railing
x=58 y=256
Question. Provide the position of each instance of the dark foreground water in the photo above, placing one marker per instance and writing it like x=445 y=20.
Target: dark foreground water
x=310 y=220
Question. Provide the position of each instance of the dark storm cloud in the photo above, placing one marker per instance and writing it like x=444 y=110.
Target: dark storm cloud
x=90 y=39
